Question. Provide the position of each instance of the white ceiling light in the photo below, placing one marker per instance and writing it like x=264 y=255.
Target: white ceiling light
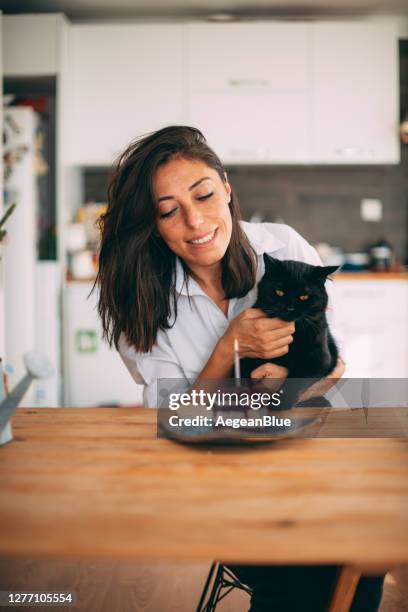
x=222 y=17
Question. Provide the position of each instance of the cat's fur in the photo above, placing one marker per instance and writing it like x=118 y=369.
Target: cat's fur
x=313 y=353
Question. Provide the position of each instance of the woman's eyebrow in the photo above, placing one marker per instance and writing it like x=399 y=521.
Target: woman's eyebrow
x=169 y=197
x=198 y=182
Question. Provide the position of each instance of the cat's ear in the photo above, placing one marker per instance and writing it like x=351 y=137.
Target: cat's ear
x=322 y=272
x=271 y=263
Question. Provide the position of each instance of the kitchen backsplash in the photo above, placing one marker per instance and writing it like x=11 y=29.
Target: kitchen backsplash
x=321 y=203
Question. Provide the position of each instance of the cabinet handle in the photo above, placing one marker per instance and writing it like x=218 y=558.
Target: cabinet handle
x=248 y=83
x=348 y=151
x=354 y=152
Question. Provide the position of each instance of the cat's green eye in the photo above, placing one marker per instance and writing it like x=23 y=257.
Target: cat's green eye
x=279 y=292
x=303 y=297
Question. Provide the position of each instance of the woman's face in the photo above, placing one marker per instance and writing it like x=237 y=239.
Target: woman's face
x=193 y=216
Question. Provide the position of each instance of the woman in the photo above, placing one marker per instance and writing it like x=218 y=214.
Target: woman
x=177 y=277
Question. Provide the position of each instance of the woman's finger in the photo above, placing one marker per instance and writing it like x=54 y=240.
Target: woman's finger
x=253 y=313
x=272 y=343
x=268 y=324
x=276 y=348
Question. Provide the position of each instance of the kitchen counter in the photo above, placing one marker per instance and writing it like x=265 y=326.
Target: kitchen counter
x=369 y=275
x=364 y=275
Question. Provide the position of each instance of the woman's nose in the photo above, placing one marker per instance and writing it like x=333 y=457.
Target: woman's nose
x=193 y=217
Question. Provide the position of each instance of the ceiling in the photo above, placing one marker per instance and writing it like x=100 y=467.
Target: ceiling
x=79 y=10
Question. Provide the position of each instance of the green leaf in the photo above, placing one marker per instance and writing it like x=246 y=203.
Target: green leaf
x=7 y=214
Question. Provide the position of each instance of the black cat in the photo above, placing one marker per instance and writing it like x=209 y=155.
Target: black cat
x=295 y=291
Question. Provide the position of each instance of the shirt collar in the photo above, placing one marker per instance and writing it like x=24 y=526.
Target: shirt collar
x=261 y=240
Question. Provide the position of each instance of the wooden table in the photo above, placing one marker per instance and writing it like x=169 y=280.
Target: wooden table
x=97 y=483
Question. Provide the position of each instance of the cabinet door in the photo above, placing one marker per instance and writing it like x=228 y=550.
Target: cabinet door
x=126 y=81
x=355 y=93
x=31 y=45
x=373 y=317
x=249 y=90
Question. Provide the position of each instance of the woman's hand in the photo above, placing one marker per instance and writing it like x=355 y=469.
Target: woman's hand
x=271 y=375
x=258 y=335
x=270 y=370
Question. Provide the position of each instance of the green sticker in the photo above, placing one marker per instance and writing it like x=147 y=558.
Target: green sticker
x=86 y=341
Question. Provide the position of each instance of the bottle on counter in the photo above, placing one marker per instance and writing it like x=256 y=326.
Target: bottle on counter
x=381 y=256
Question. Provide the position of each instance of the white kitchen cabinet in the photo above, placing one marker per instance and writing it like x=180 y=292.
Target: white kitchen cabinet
x=271 y=56
x=248 y=88
x=355 y=93
x=323 y=93
x=94 y=374
x=126 y=80
x=271 y=92
x=31 y=44
x=373 y=317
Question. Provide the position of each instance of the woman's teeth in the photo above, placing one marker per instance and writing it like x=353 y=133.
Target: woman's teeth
x=204 y=239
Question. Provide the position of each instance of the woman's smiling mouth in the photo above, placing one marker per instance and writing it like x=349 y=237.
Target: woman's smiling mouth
x=205 y=239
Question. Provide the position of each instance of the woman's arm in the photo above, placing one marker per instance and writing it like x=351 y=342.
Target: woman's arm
x=257 y=335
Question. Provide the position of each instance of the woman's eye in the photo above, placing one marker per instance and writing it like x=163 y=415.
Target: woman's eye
x=205 y=197
x=303 y=297
x=279 y=292
x=167 y=214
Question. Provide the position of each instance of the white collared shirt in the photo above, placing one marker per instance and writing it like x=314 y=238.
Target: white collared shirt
x=182 y=351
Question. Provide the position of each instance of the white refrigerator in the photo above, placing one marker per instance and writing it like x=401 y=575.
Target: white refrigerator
x=94 y=374
x=31 y=287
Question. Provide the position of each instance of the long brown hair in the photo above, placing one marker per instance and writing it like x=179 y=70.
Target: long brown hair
x=136 y=273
